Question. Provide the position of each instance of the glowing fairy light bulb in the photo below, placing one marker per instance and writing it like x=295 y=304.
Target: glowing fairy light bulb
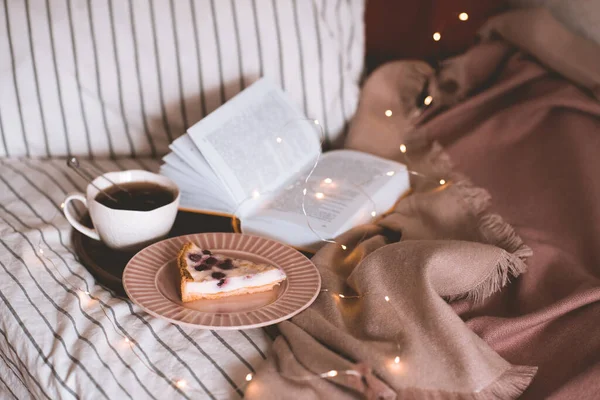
x=463 y=16
x=332 y=373
x=442 y=181
x=279 y=140
x=437 y=36
x=41 y=251
x=341 y=296
x=387 y=298
x=388 y=113
x=397 y=360
x=316 y=122
x=327 y=180
x=403 y=148
x=390 y=173
x=248 y=377
x=319 y=195
x=373 y=213
x=62 y=205
x=343 y=247
x=181 y=383
x=427 y=101
x=304 y=191
x=127 y=340
x=255 y=194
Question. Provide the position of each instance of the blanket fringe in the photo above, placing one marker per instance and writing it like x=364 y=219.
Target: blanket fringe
x=507 y=266
x=510 y=385
x=492 y=227
x=495 y=231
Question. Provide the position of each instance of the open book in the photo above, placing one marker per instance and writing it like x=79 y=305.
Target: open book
x=251 y=158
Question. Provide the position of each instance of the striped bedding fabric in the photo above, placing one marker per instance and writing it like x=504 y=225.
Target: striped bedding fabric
x=123 y=78
x=58 y=343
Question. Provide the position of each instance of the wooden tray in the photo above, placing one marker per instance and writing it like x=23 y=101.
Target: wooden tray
x=107 y=265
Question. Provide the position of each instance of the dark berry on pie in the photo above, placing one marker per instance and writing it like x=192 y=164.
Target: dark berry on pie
x=218 y=275
x=195 y=257
x=202 y=267
x=221 y=283
x=227 y=264
x=207 y=252
x=211 y=261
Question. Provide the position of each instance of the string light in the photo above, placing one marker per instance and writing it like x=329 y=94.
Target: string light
x=427 y=101
x=255 y=194
x=248 y=377
x=344 y=296
x=463 y=16
x=327 y=180
x=388 y=113
x=397 y=360
x=390 y=173
x=41 y=251
x=343 y=247
x=329 y=374
x=181 y=383
x=316 y=122
x=387 y=298
x=279 y=140
x=62 y=205
x=127 y=340
x=442 y=181
x=437 y=36
x=319 y=195
x=403 y=148
x=373 y=213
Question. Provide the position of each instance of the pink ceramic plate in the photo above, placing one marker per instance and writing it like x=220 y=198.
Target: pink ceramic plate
x=151 y=280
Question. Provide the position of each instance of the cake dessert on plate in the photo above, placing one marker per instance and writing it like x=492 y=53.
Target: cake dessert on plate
x=205 y=275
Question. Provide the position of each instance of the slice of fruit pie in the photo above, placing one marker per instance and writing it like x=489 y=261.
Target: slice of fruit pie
x=205 y=275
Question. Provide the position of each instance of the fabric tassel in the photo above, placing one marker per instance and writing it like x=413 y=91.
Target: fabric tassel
x=507 y=266
x=510 y=385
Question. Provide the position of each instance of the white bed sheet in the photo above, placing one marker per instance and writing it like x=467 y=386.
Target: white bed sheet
x=56 y=343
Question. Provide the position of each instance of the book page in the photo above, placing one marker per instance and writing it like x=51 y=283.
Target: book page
x=345 y=188
x=187 y=151
x=256 y=141
x=196 y=183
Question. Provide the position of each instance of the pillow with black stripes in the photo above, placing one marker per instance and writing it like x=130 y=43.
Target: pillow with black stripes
x=125 y=78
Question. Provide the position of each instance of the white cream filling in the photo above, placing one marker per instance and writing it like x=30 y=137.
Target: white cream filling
x=236 y=282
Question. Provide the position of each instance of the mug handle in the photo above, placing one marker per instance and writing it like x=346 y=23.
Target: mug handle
x=92 y=233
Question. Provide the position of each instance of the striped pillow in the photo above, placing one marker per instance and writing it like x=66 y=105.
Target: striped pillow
x=126 y=77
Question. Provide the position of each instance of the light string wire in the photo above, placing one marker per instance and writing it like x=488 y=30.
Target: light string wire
x=256 y=194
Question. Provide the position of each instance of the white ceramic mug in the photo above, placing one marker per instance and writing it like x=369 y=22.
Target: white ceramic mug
x=125 y=230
